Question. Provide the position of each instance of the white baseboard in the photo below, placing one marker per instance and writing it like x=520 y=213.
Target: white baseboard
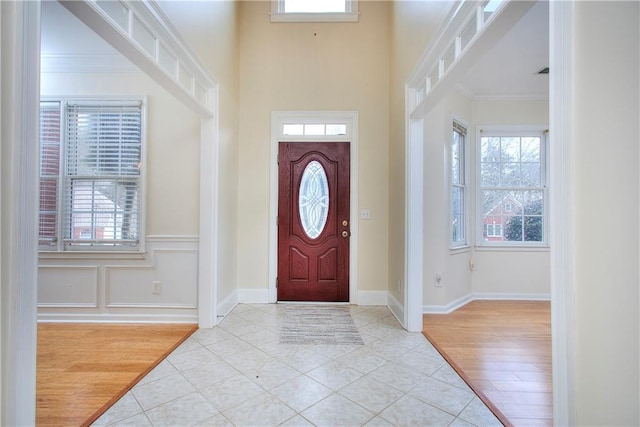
x=117 y=318
x=228 y=304
x=397 y=309
x=372 y=298
x=253 y=296
x=510 y=296
x=498 y=296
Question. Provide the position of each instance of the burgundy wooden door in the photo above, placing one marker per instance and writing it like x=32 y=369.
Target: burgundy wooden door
x=313 y=221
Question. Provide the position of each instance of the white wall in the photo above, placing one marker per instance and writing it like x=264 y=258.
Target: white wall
x=498 y=272
x=120 y=287
x=606 y=110
x=519 y=273
x=439 y=260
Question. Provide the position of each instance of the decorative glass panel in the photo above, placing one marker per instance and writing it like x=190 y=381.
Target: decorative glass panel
x=313 y=200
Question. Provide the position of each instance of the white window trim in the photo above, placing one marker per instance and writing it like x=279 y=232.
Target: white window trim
x=59 y=247
x=466 y=173
x=278 y=14
x=496 y=130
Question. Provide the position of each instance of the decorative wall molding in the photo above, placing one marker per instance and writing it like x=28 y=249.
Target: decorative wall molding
x=476 y=296
x=162 y=284
x=148 y=39
x=68 y=286
x=183 y=317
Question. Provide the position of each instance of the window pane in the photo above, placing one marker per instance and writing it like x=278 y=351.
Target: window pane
x=490 y=174
x=314 y=129
x=456 y=177
x=510 y=149
x=293 y=129
x=511 y=180
x=314 y=6
x=490 y=149
x=510 y=175
x=103 y=210
x=531 y=149
x=102 y=174
x=313 y=199
x=337 y=129
x=531 y=174
x=457 y=217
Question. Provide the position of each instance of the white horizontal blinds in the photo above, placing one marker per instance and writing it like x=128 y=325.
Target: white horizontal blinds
x=457 y=127
x=50 y=138
x=102 y=174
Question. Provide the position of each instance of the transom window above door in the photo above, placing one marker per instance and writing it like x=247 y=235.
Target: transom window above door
x=314 y=129
x=314 y=10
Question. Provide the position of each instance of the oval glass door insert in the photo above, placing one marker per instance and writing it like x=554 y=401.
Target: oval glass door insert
x=313 y=200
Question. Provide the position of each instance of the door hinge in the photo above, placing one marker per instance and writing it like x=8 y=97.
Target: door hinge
x=276 y=283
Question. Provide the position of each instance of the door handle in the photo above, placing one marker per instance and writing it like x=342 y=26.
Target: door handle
x=345 y=234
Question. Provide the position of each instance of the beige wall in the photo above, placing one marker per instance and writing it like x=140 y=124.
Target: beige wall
x=412 y=26
x=210 y=28
x=606 y=138
x=313 y=66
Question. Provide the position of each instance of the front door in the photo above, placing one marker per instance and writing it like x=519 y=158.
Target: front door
x=313 y=221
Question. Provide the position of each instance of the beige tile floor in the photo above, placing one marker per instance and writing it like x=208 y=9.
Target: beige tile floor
x=238 y=374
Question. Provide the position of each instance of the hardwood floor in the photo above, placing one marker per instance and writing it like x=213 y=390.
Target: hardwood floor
x=503 y=350
x=82 y=369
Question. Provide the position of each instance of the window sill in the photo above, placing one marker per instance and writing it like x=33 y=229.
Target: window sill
x=454 y=250
x=514 y=248
x=314 y=17
x=91 y=255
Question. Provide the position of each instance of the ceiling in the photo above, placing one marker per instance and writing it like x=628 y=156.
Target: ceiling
x=508 y=70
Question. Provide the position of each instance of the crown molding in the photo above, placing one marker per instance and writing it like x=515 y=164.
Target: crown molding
x=86 y=63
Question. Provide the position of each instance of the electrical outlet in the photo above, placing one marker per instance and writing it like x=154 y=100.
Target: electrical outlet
x=157 y=287
x=438 y=280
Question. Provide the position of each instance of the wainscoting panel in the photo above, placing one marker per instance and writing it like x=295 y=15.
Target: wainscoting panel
x=158 y=285
x=170 y=282
x=68 y=286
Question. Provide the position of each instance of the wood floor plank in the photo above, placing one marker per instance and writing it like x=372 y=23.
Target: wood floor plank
x=82 y=369
x=503 y=350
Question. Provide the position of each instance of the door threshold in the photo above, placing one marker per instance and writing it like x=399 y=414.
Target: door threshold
x=314 y=302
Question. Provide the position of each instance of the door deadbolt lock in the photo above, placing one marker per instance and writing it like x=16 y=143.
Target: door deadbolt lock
x=345 y=223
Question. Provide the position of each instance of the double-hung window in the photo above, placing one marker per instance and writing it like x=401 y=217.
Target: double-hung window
x=91 y=155
x=458 y=185
x=512 y=196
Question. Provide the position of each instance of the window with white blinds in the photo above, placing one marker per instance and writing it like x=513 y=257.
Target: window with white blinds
x=50 y=138
x=98 y=198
